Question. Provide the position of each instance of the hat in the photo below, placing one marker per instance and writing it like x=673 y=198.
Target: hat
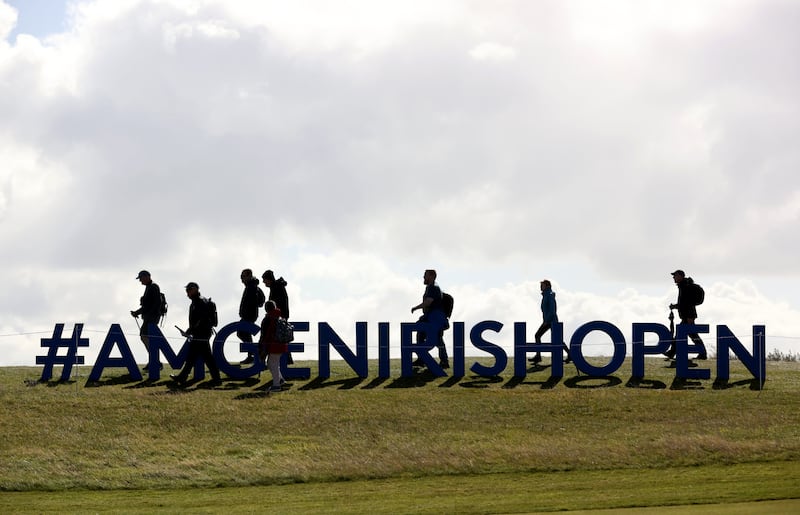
x=192 y=285
x=678 y=272
x=269 y=274
x=143 y=273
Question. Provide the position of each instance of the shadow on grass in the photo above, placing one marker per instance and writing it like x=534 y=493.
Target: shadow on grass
x=452 y=381
x=645 y=384
x=257 y=394
x=203 y=384
x=478 y=381
x=547 y=384
x=262 y=392
x=375 y=383
x=342 y=384
x=418 y=380
x=592 y=382
x=682 y=383
x=116 y=381
x=725 y=384
x=57 y=382
x=238 y=384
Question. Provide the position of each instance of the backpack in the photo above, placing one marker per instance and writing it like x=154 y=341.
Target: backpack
x=212 y=312
x=260 y=298
x=698 y=294
x=163 y=307
x=447 y=304
x=284 y=332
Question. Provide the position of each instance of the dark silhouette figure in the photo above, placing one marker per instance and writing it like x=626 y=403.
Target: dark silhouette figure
x=149 y=307
x=269 y=346
x=433 y=313
x=549 y=318
x=277 y=294
x=252 y=299
x=201 y=325
x=688 y=299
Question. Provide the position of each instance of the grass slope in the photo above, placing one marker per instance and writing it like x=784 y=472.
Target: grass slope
x=479 y=445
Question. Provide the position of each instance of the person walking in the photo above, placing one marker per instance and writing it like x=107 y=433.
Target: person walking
x=278 y=294
x=149 y=307
x=549 y=318
x=252 y=299
x=433 y=314
x=201 y=325
x=690 y=295
x=269 y=346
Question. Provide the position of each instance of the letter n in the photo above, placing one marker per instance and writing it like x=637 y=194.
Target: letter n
x=328 y=338
x=756 y=362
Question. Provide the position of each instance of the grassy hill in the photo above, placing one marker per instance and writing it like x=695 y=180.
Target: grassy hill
x=426 y=444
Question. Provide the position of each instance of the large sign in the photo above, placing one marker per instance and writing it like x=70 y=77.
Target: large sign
x=479 y=337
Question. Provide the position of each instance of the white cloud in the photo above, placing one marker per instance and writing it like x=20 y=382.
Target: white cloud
x=489 y=51
x=351 y=145
x=8 y=20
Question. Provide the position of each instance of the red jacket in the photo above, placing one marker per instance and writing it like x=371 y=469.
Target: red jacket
x=268 y=343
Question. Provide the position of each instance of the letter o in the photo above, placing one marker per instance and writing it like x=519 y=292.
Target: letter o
x=617 y=338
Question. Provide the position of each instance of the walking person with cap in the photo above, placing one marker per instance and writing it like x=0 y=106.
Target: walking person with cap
x=149 y=306
x=201 y=324
x=690 y=295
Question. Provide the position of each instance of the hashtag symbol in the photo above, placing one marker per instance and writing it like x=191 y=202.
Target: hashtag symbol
x=59 y=342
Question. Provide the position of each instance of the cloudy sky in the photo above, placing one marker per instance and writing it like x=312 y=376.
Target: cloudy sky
x=349 y=145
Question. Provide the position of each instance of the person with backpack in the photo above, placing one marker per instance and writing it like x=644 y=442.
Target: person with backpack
x=269 y=346
x=549 y=317
x=202 y=319
x=150 y=307
x=433 y=313
x=252 y=299
x=690 y=295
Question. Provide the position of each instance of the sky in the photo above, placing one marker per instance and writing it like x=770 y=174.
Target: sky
x=350 y=145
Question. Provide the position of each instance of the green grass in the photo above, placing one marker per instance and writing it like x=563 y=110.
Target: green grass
x=428 y=445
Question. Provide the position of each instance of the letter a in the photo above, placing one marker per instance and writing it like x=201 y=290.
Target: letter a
x=115 y=336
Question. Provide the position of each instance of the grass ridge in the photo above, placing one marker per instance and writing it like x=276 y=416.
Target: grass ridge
x=341 y=438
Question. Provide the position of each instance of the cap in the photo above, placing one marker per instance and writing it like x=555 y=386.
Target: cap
x=143 y=273
x=192 y=285
x=678 y=272
x=269 y=274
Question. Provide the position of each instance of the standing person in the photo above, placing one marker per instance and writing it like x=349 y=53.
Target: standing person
x=201 y=324
x=277 y=294
x=689 y=296
x=269 y=346
x=549 y=317
x=433 y=313
x=252 y=299
x=149 y=307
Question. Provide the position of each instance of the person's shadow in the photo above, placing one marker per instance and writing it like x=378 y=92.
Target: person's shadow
x=420 y=378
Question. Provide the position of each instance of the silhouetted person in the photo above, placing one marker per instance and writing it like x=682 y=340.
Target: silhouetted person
x=433 y=314
x=687 y=310
x=201 y=325
x=252 y=299
x=277 y=294
x=269 y=346
x=549 y=317
x=150 y=306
